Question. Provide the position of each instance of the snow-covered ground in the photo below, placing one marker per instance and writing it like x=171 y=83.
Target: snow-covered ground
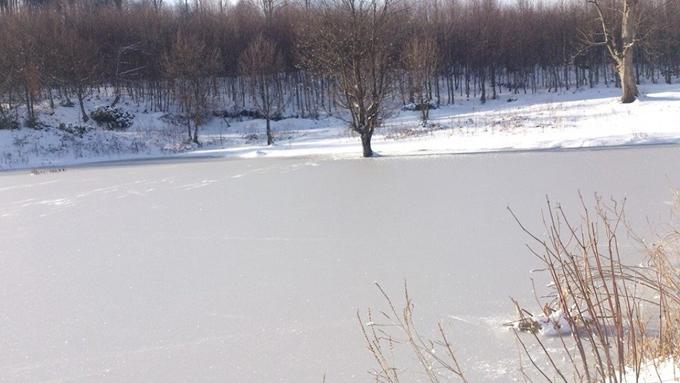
x=237 y=270
x=574 y=119
x=665 y=371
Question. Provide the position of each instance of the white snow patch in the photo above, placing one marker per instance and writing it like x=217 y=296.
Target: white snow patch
x=544 y=121
x=554 y=324
x=665 y=371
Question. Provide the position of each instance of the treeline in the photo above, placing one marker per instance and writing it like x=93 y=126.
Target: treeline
x=196 y=56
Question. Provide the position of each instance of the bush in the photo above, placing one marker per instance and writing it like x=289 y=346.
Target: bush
x=619 y=316
x=112 y=118
x=8 y=122
x=413 y=107
x=386 y=330
x=76 y=130
x=252 y=137
x=34 y=123
x=66 y=103
x=246 y=113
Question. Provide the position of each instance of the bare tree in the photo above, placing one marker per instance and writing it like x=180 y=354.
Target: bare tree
x=77 y=59
x=190 y=65
x=621 y=49
x=5 y=77
x=357 y=41
x=23 y=61
x=420 y=59
x=123 y=70
x=7 y=5
x=261 y=63
x=124 y=45
x=268 y=8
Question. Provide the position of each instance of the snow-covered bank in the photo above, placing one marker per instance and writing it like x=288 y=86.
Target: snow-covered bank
x=576 y=119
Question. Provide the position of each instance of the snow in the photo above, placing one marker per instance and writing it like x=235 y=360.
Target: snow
x=239 y=270
x=554 y=324
x=664 y=371
x=543 y=121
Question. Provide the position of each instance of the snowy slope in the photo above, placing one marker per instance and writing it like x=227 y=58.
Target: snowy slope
x=576 y=119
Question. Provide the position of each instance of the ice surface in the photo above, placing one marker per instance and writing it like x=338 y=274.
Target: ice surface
x=253 y=270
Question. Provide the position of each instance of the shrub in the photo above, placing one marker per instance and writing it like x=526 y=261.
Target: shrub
x=251 y=137
x=34 y=123
x=246 y=113
x=387 y=330
x=66 y=103
x=614 y=316
x=76 y=130
x=112 y=118
x=8 y=122
x=413 y=107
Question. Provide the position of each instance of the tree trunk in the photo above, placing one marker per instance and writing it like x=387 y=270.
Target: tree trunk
x=29 y=105
x=628 y=85
x=82 y=106
x=424 y=112
x=116 y=99
x=482 y=85
x=625 y=65
x=49 y=94
x=493 y=82
x=196 y=133
x=366 y=143
x=270 y=139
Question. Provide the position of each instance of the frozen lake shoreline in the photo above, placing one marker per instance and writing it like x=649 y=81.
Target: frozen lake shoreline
x=207 y=156
x=586 y=118
x=253 y=270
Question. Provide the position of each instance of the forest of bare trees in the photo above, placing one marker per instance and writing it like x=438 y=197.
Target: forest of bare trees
x=305 y=58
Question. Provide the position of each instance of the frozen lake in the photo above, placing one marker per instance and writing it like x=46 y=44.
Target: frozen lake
x=253 y=270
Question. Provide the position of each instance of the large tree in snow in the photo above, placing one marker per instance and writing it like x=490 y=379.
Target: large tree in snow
x=621 y=47
x=358 y=43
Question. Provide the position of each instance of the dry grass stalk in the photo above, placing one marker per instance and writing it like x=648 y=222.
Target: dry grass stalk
x=436 y=358
x=611 y=308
